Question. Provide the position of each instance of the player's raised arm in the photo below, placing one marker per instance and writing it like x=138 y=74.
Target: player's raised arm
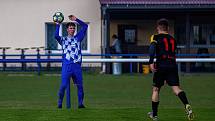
x=57 y=36
x=80 y=35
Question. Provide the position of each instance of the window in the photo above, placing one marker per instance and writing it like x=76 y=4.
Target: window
x=212 y=34
x=202 y=35
x=180 y=34
x=199 y=35
x=127 y=33
x=130 y=35
x=52 y=44
x=196 y=34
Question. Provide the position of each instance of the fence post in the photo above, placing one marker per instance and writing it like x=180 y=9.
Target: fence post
x=4 y=56
x=38 y=61
x=38 y=58
x=48 y=57
x=22 y=57
x=131 y=65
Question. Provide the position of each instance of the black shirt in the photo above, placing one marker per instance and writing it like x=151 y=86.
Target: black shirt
x=163 y=48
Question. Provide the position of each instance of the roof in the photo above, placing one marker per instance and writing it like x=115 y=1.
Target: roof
x=155 y=2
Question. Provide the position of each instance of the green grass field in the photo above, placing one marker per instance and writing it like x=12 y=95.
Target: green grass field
x=107 y=98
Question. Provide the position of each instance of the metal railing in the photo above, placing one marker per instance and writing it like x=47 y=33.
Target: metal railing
x=105 y=58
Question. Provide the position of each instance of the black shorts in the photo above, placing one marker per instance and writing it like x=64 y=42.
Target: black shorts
x=170 y=75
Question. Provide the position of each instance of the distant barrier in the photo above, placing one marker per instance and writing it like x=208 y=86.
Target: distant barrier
x=107 y=55
x=104 y=58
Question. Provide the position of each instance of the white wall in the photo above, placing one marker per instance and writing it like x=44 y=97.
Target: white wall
x=22 y=22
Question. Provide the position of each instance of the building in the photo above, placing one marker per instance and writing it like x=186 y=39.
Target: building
x=28 y=23
x=192 y=22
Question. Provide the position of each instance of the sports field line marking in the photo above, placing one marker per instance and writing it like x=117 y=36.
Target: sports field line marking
x=52 y=74
x=30 y=75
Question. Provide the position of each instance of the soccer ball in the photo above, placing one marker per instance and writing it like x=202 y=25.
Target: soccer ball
x=58 y=17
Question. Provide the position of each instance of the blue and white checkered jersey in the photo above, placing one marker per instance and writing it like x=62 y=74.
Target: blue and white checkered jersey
x=71 y=46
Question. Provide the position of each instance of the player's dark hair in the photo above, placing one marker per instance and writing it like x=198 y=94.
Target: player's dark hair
x=114 y=36
x=163 y=24
x=70 y=24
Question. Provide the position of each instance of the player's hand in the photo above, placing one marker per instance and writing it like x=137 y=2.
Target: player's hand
x=72 y=17
x=152 y=67
x=56 y=22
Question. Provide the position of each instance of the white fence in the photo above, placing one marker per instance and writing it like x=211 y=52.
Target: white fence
x=146 y=60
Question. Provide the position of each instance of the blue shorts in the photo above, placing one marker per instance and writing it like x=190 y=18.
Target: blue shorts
x=72 y=70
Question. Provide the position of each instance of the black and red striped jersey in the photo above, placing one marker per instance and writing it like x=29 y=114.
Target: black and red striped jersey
x=163 y=48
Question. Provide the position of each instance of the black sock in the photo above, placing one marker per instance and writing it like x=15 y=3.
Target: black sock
x=183 y=97
x=155 y=108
